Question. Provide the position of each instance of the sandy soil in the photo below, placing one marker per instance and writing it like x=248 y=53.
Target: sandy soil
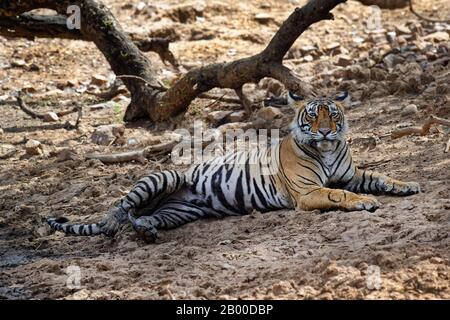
x=284 y=254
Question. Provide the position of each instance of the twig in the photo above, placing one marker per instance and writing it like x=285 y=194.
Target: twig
x=447 y=147
x=214 y=102
x=137 y=155
x=42 y=116
x=222 y=98
x=129 y=76
x=423 y=130
x=420 y=16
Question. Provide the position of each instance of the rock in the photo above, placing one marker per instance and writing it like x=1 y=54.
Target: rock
x=308 y=49
x=391 y=36
x=308 y=58
x=391 y=60
x=6 y=151
x=140 y=6
x=438 y=36
x=402 y=29
x=66 y=154
x=332 y=47
x=271 y=85
x=358 y=40
x=107 y=134
x=218 y=117
x=50 y=117
x=263 y=18
x=344 y=60
x=33 y=148
x=72 y=83
x=28 y=88
x=269 y=113
x=132 y=142
x=99 y=80
x=18 y=63
x=237 y=116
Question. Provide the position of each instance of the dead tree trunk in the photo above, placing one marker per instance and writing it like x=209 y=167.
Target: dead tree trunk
x=147 y=98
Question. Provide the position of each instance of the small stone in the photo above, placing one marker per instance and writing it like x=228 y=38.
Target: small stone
x=107 y=134
x=140 y=6
x=391 y=60
x=1 y=131
x=358 y=40
x=332 y=47
x=33 y=148
x=6 y=151
x=269 y=113
x=402 y=29
x=66 y=154
x=308 y=58
x=18 y=63
x=72 y=83
x=218 y=117
x=99 y=80
x=438 y=36
x=308 y=49
x=436 y=260
x=409 y=109
x=50 y=117
x=132 y=142
x=237 y=116
x=263 y=18
x=344 y=60
x=391 y=36
x=28 y=88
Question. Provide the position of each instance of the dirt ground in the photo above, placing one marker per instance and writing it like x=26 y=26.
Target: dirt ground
x=399 y=252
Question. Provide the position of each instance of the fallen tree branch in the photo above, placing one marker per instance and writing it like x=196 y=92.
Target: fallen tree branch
x=423 y=130
x=136 y=155
x=447 y=147
x=124 y=57
x=43 y=116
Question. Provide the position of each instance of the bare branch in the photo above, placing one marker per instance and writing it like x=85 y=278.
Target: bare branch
x=137 y=155
x=423 y=130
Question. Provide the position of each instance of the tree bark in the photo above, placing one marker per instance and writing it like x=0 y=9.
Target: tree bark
x=125 y=58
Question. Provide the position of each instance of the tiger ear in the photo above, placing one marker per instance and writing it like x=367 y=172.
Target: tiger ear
x=341 y=96
x=293 y=99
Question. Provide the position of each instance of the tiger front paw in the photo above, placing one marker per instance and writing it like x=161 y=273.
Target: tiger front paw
x=362 y=203
x=400 y=188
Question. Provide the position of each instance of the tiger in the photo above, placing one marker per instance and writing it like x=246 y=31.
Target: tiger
x=310 y=168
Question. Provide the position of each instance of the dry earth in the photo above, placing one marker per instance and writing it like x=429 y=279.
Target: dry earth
x=283 y=254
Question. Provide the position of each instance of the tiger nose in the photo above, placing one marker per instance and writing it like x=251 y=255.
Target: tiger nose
x=324 y=131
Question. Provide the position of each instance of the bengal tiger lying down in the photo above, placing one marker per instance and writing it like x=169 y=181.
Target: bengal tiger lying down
x=311 y=168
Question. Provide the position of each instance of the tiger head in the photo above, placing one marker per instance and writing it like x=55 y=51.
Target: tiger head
x=319 y=122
